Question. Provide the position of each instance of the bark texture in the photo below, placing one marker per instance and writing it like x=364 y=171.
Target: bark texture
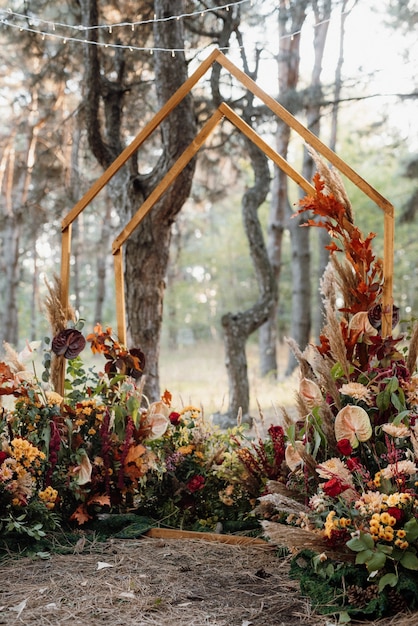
x=147 y=251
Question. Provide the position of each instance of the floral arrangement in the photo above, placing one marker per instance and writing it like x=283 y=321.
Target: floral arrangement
x=352 y=450
x=102 y=447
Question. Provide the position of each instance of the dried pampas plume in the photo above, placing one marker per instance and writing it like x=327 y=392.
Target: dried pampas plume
x=12 y=358
x=57 y=316
x=333 y=182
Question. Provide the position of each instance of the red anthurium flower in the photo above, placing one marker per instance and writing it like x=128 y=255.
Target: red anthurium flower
x=344 y=447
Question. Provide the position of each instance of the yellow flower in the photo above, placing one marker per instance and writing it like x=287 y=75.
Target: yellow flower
x=377 y=479
x=384 y=518
x=401 y=533
x=48 y=496
x=330 y=524
x=185 y=450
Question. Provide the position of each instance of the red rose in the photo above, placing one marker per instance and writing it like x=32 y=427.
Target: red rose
x=3 y=456
x=196 y=483
x=353 y=464
x=344 y=447
x=174 y=418
x=398 y=514
x=334 y=487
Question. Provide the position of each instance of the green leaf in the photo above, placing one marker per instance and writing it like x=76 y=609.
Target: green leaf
x=383 y=548
x=396 y=402
x=377 y=561
x=363 y=542
x=364 y=556
x=409 y=561
x=344 y=617
x=398 y=419
x=383 y=399
x=388 y=579
x=393 y=384
x=337 y=371
x=411 y=528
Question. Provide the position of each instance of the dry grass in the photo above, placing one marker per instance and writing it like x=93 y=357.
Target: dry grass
x=197 y=375
x=156 y=582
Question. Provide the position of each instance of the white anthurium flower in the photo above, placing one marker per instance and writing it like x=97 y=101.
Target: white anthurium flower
x=360 y=324
x=83 y=470
x=157 y=419
x=353 y=423
x=293 y=456
x=27 y=354
x=310 y=392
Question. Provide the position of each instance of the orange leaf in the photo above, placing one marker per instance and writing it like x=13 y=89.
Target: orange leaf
x=80 y=515
x=134 y=453
x=166 y=397
x=103 y=500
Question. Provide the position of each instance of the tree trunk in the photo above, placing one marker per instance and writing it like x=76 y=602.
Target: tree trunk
x=300 y=237
x=11 y=241
x=147 y=251
x=291 y=18
x=239 y=326
x=102 y=262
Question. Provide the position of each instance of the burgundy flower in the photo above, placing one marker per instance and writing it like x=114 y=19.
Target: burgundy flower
x=398 y=514
x=196 y=483
x=3 y=456
x=353 y=464
x=334 y=487
x=375 y=316
x=344 y=447
x=68 y=343
x=174 y=418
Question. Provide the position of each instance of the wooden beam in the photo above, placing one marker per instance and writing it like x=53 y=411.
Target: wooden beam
x=64 y=297
x=168 y=179
x=306 y=134
x=268 y=151
x=168 y=533
x=120 y=296
x=171 y=104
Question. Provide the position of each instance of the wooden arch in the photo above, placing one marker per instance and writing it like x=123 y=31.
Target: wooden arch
x=224 y=111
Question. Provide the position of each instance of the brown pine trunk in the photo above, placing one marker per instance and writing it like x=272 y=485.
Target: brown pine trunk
x=146 y=253
x=239 y=326
x=300 y=237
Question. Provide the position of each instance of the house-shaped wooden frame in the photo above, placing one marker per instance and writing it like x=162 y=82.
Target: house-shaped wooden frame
x=224 y=111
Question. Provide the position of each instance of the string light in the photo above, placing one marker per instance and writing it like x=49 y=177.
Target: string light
x=131 y=25
x=155 y=19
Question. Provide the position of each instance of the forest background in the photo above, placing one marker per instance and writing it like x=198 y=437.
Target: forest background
x=219 y=273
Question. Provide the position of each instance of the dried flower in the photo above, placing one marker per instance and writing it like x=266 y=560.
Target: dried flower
x=396 y=430
x=357 y=391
